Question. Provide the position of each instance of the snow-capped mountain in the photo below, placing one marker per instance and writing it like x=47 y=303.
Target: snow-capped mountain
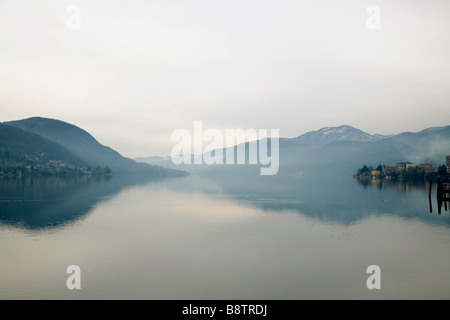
x=332 y=134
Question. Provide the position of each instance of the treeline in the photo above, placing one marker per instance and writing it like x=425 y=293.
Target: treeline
x=21 y=171
x=412 y=173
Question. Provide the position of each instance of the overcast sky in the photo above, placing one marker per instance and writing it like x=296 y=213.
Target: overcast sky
x=137 y=70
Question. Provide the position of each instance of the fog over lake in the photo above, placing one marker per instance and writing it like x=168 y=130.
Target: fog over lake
x=193 y=238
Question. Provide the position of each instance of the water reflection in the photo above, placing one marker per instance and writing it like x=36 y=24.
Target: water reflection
x=333 y=199
x=36 y=203
x=55 y=202
x=433 y=188
x=201 y=237
x=399 y=185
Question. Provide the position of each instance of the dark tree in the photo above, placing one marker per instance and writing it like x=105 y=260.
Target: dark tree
x=442 y=171
x=364 y=169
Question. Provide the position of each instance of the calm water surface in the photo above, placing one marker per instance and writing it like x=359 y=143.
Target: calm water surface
x=195 y=238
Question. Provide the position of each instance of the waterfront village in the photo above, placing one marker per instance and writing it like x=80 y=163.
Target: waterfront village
x=405 y=171
x=49 y=168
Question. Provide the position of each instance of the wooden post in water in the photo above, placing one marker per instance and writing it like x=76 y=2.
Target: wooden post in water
x=439 y=189
x=431 y=206
x=439 y=194
x=445 y=191
x=429 y=196
x=429 y=190
x=444 y=195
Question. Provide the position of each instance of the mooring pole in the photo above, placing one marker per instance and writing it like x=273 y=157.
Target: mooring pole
x=429 y=196
x=429 y=191
x=439 y=188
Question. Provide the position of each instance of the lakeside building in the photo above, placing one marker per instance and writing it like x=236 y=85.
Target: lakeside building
x=448 y=164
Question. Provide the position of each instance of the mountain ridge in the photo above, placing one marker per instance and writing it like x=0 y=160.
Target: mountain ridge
x=331 y=134
x=84 y=146
x=18 y=145
x=345 y=149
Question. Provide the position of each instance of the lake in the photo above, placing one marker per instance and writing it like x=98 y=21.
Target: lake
x=200 y=237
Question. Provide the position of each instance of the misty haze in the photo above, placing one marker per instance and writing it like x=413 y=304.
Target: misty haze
x=241 y=150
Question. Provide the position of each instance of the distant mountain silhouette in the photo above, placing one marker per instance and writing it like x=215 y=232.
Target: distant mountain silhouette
x=332 y=134
x=151 y=160
x=344 y=149
x=341 y=151
x=84 y=146
x=429 y=145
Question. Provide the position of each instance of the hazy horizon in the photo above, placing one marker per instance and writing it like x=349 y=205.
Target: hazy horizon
x=325 y=212
x=173 y=143
x=133 y=73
